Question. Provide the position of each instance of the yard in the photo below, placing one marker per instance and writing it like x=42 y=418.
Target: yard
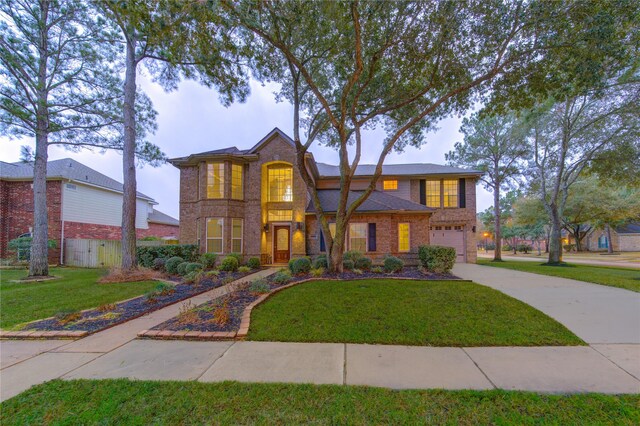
x=75 y=289
x=112 y=402
x=615 y=277
x=387 y=311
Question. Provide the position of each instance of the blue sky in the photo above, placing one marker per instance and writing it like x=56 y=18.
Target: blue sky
x=192 y=119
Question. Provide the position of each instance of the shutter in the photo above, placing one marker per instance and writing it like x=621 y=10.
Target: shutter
x=372 y=237
x=323 y=246
x=462 y=196
x=423 y=192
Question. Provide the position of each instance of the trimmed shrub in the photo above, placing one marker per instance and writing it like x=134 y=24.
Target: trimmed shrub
x=158 y=263
x=182 y=268
x=317 y=272
x=300 y=265
x=348 y=265
x=259 y=286
x=229 y=264
x=164 y=289
x=193 y=267
x=238 y=257
x=393 y=264
x=214 y=273
x=171 y=265
x=363 y=263
x=437 y=259
x=352 y=255
x=282 y=277
x=208 y=260
x=253 y=262
x=358 y=271
x=244 y=269
x=146 y=254
x=320 y=262
x=377 y=270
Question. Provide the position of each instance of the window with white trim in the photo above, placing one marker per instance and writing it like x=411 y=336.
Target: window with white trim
x=236 y=235
x=215 y=180
x=433 y=193
x=237 y=190
x=403 y=237
x=450 y=191
x=215 y=234
x=390 y=184
x=358 y=237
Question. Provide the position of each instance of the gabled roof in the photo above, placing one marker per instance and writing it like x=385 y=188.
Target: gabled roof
x=271 y=135
x=66 y=168
x=157 y=216
x=629 y=228
x=328 y=170
x=377 y=202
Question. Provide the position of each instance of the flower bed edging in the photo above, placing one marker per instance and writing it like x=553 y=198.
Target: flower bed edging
x=76 y=334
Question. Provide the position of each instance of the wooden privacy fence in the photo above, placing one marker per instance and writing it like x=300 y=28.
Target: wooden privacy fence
x=97 y=253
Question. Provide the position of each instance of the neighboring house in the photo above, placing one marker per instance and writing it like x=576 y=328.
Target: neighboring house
x=255 y=202
x=81 y=203
x=623 y=238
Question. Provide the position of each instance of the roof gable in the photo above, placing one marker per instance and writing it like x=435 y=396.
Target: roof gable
x=275 y=132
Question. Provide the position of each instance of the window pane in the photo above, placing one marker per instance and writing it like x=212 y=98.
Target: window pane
x=215 y=180
x=214 y=227
x=236 y=228
x=280 y=181
x=433 y=193
x=390 y=185
x=403 y=237
x=450 y=193
x=214 y=245
x=279 y=215
x=236 y=246
x=236 y=182
x=358 y=237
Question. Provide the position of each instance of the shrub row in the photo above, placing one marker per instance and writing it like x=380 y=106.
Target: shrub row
x=147 y=255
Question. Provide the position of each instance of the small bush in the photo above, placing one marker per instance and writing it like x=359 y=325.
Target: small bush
x=393 y=264
x=238 y=257
x=437 y=259
x=229 y=264
x=65 y=317
x=320 y=262
x=348 y=265
x=363 y=263
x=106 y=307
x=352 y=255
x=244 y=269
x=377 y=270
x=212 y=274
x=259 y=286
x=300 y=265
x=171 y=265
x=358 y=271
x=227 y=280
x=146 y=254
x=254 y=263
x=158 y=263
x=190 y=277
x=187 y=314
x=282 y=277
x=194 y=267
x=182 y=268
x=164 y=289
x=221 y=314
x=208 y=260
x=317 y=272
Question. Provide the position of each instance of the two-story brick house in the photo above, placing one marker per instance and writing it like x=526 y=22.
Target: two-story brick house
x=255 y=202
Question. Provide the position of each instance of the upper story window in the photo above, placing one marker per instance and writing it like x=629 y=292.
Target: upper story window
x=280 y=183
x=215 y=180
x=433 y=193
x=237 y=187
x=450 y=192
x=390 y=185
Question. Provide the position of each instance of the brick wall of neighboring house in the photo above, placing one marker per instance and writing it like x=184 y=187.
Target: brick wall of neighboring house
x=620 y=242
x=386 y=234
x=77 y=230
x=159 y=230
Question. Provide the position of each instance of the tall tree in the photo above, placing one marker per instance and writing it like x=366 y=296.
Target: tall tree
x=529 y=212
x=497 y=146
x=58 y=84
x=173 y=40
x=347 y=67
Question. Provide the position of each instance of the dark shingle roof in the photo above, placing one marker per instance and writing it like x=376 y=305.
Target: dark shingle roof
x=159 y=217
x=328 y=170
x=629 y=228
x=66 y=168
x=378 y=201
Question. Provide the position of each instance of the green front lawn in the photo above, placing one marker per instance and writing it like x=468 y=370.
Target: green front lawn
x=387 y=311
x=123 y=402
x=615 y=277
x=76 y=289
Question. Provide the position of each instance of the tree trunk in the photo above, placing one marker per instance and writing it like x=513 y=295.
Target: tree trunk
x=609 y=240
x=334 y=259
x=497 y=253
x=39 y=257
x=555 y=243
x=129 y=261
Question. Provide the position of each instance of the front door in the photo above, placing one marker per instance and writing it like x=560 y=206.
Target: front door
x=281 y=244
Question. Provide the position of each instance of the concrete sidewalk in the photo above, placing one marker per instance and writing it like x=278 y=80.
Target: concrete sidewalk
x=601 y=368
x=595 y=313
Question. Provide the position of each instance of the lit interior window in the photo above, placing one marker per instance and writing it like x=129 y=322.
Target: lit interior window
x=237 y=192
x=358 y=237
x=280 y=216
x=403 y=237
x=215 y=233
x=236 y=235
x=280 y=181
x=215 y=180
x=450 y=188
x=390 y=185
x=433 y=193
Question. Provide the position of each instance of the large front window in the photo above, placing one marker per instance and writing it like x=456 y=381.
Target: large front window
x=403 y=237
x=358 y=237
x=215 y=180
x=280 y=183
x=433 y=193
x=237 y=192
x=450 y=191
x=215 y=232
x=236 y=235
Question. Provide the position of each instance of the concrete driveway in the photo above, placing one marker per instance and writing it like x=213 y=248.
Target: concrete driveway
x=595 y=313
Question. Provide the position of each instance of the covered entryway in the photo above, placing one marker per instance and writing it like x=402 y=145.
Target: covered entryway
x=449 y=236
x=281 y=243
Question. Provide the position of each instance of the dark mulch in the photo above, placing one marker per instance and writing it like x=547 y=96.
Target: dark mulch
x=201 y=318
x=94 y=320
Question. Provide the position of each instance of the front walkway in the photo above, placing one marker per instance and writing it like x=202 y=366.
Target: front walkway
x=606 y=317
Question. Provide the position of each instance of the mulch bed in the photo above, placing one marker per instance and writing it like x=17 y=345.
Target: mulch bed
x=94 y=320
x=201 y=318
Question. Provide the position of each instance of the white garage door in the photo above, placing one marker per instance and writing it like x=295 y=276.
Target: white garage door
x=449 y=236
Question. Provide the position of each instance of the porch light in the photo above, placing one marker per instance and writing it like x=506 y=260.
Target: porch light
x=265 y=227
x=299 y=226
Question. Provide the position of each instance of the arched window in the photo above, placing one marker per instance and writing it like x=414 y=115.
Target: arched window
x=280 y=182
